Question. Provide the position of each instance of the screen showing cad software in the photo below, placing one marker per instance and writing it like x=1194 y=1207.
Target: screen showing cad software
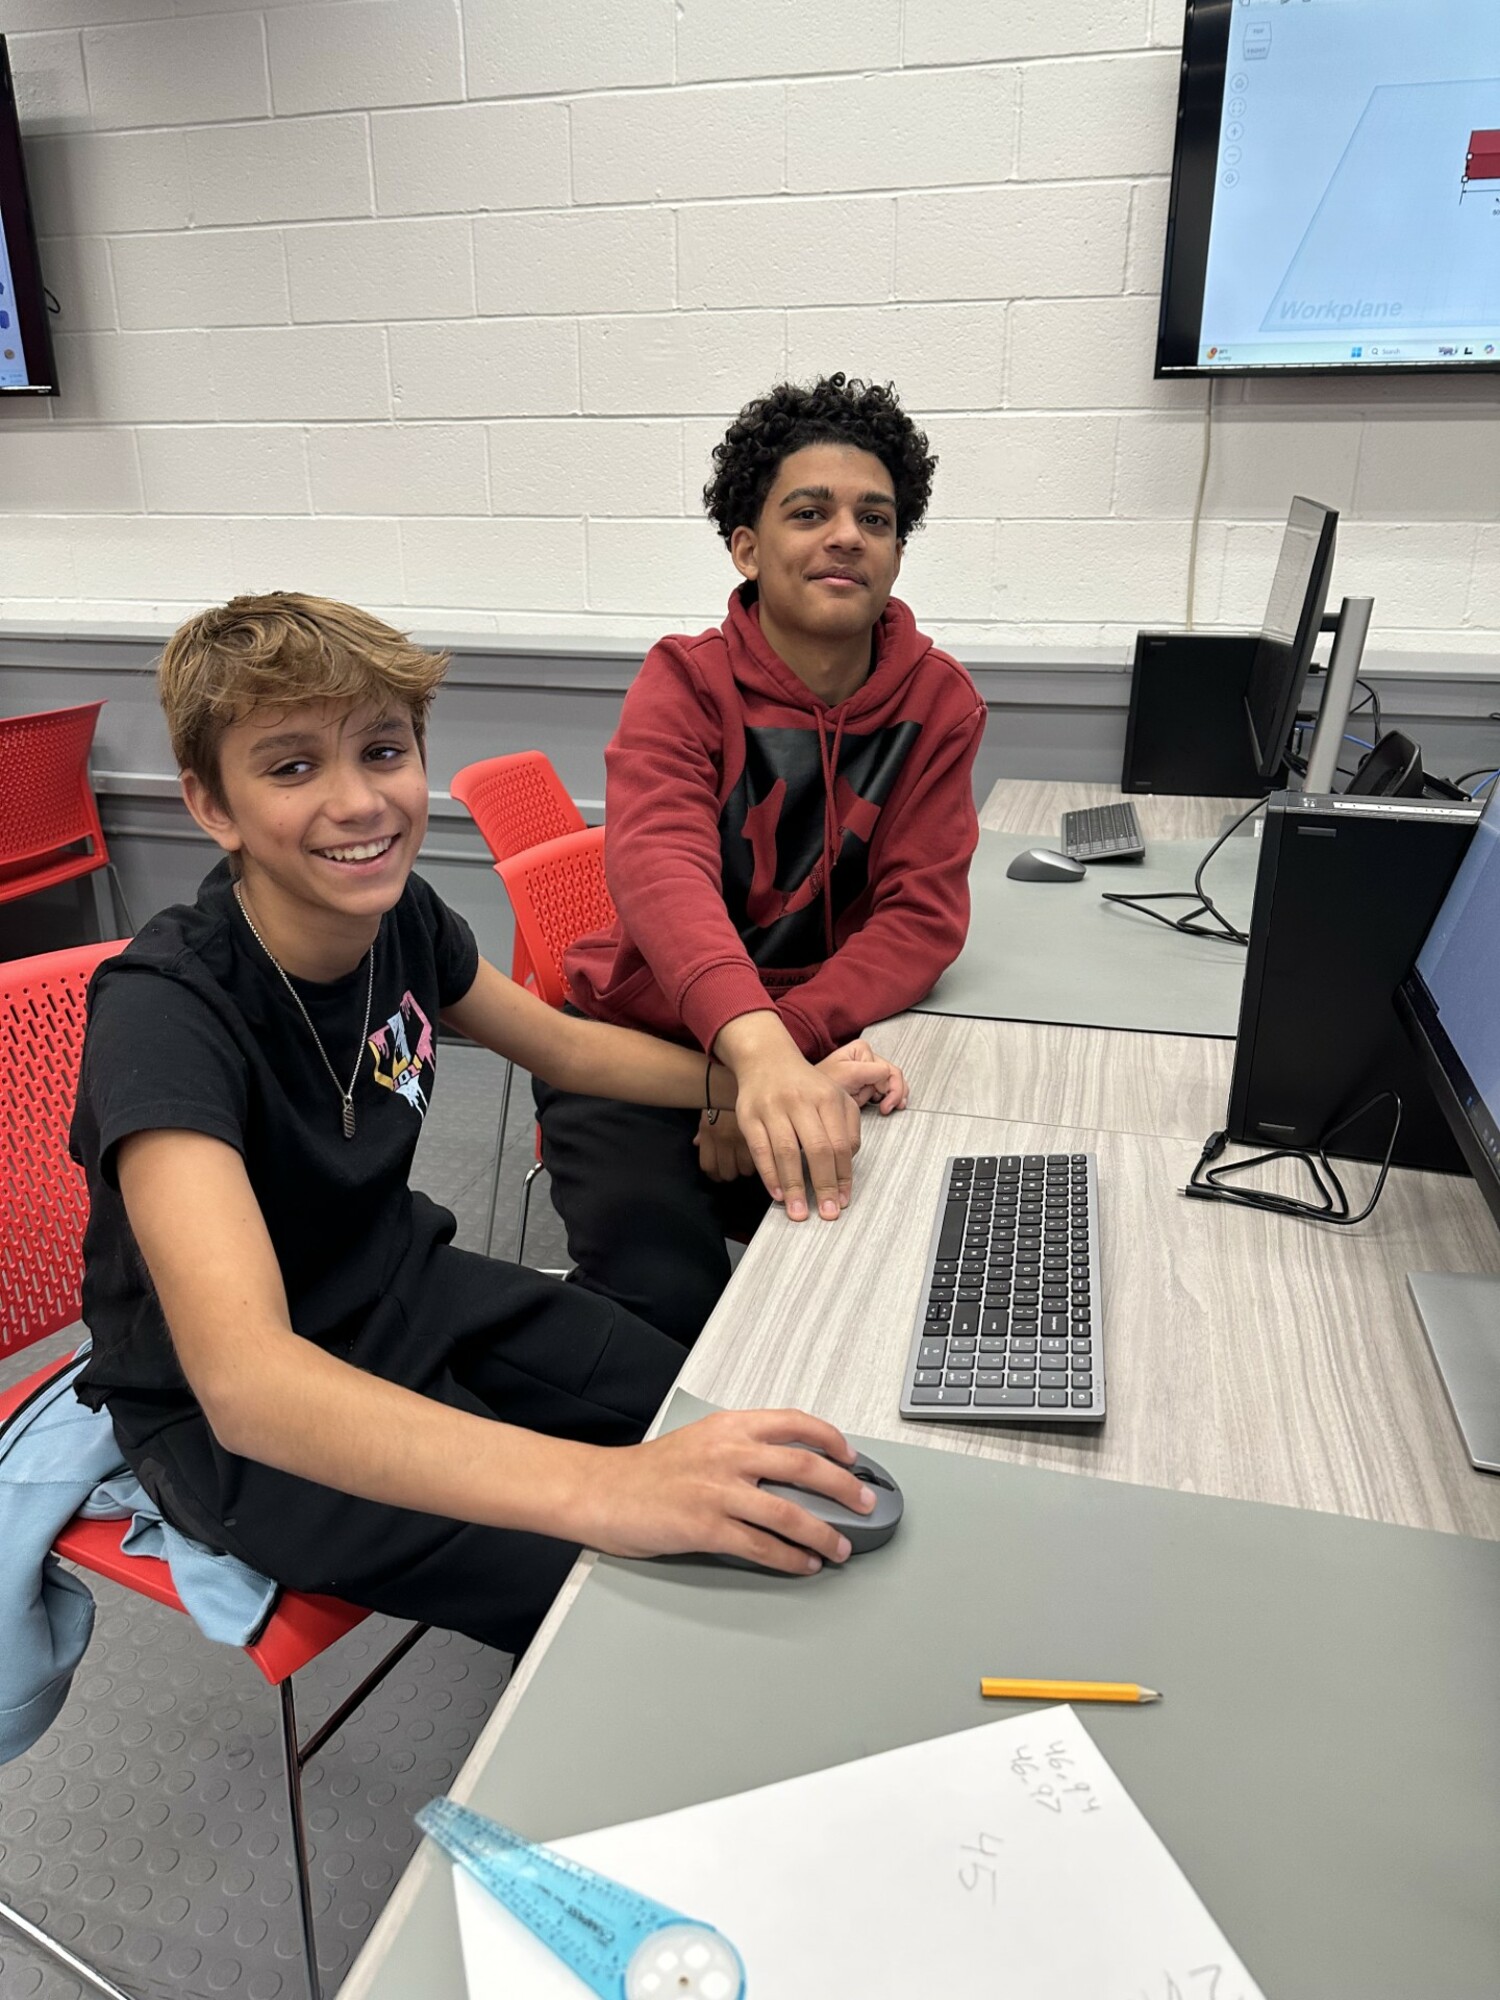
x=12 y=353
x=1356 y=199
x=1460 y=967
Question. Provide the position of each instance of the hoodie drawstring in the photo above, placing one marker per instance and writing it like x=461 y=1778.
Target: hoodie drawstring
x=830 y=763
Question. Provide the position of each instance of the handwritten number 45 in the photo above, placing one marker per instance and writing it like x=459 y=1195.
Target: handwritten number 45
x=978 y=1875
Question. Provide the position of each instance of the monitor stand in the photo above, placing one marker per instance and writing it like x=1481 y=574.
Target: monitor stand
x=1461 y=1318
x=1351 y=627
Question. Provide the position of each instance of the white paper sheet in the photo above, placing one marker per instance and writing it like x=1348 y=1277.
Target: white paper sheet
x=1005 y=1861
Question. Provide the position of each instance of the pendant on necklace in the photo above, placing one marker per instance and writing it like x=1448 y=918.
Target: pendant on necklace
x=348 y=1119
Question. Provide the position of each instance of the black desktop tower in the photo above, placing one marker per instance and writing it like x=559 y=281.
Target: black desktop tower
x=1345 y=893
x=1187 y=730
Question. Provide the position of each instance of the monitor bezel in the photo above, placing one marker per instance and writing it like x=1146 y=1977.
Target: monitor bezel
x=1190 y=206
x=1271 y=758
x=1444 y=1070
x=20 y=236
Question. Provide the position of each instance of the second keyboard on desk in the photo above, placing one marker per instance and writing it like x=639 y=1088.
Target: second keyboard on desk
x=1008 y=1322
x=1103 y=833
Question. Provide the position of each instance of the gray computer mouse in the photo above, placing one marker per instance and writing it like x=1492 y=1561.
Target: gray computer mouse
x=1040 y=864
x=864 y=1531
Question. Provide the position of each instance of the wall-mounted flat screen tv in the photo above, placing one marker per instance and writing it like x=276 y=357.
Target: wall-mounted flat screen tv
x=1335 y=199
x=25 y=340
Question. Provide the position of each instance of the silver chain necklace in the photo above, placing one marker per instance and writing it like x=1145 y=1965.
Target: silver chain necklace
x=346 y=1096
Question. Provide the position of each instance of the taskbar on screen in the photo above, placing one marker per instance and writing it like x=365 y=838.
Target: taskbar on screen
x=1437 y=351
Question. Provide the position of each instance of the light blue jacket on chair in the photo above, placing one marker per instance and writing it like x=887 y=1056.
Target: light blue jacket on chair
x=57 y=1459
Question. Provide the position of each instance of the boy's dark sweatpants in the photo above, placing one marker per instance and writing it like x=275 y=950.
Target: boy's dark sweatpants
x=646 y=1226
x=479 y=1335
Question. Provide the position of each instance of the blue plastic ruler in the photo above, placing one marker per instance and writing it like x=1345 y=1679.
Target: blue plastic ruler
x=622 y=1945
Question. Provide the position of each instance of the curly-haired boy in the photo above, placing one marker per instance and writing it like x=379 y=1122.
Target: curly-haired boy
x=790 y=822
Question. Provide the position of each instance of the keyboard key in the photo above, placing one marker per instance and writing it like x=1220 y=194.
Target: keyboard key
x=928 y=1378
x=1051 y=1378
x=990 y=1378
x=959 y=1378
x=965 y=1322
x=956 y=1398
x=1083 y=1399
x=1020 y=1378
x=932 y=1354
x=1004 y=1399
x=1053 y=1399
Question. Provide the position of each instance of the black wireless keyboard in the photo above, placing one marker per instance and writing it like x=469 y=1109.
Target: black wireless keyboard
x=1008 y=1321
x=1103 y=833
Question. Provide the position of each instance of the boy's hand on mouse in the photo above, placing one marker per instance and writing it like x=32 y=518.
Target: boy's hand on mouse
x=867 y=1077
x=697 y=1490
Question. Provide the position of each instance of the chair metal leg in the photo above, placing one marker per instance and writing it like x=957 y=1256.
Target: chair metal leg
x=489 y=1234
x=104 y=904
x=531 y=1174
x=296 y=1757
x=54 y=1950
x=121 y=907
x=299 y=1836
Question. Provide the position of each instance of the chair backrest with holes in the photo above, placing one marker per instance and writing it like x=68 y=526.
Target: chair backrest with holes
x=517 y=802
x=47 y=805
x=559 y=894
x=43 y=1198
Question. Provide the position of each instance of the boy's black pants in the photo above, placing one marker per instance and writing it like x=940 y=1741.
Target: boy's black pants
x=645 y=1224
x=478 y=1335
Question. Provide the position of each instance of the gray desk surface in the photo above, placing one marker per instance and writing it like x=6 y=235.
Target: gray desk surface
x=1057 y=951
x=1339 y=1412
x=1325 y=1766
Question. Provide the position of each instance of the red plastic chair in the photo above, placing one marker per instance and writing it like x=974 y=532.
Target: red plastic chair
x=47 y=806
x=558 y=893
x=516 y=802
x=43 y=1210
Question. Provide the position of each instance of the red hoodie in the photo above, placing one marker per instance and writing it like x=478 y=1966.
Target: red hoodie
x=766 y=850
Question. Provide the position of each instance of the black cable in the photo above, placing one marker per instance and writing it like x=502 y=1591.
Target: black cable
x=1332 y=1206
x=51 y=299
x=1479 y=771
x=1198 y=896
x=1372 y=702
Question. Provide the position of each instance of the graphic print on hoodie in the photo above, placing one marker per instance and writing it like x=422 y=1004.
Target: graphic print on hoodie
x=796 y=846
x=766 y=849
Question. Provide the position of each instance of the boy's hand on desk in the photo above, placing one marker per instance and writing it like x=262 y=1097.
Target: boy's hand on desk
x=787 y=1109
x=697 y=1490
x=867 y=1077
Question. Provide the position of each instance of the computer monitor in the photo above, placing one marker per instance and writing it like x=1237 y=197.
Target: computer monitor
x=1448 y=1005
x=1294 y=617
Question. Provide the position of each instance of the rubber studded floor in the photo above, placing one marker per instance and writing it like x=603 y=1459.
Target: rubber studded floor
x=147 y=1830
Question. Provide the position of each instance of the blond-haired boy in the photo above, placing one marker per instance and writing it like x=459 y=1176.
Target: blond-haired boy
x=299 y=1365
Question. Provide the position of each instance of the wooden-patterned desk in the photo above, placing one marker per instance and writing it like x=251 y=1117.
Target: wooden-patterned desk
x=1248 y=1356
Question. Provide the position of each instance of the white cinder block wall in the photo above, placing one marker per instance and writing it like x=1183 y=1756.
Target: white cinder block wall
x=440 y=305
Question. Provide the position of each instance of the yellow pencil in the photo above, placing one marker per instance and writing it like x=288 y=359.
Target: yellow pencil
x=1004 y=1690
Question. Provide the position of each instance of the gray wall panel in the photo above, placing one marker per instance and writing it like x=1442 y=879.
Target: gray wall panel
x=1051 y=715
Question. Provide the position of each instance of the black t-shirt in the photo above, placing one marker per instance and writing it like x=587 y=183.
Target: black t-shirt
x=192 y=1028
